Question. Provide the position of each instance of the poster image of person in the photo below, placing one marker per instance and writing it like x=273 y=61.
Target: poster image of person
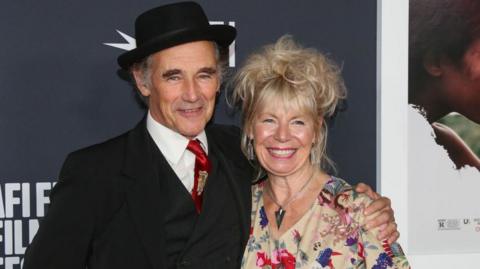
x=443 y=126
x=444 y=68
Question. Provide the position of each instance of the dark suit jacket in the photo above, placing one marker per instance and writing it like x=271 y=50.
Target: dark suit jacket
x=106 y=209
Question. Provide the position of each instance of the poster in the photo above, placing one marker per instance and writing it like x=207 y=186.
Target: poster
x=443 y=118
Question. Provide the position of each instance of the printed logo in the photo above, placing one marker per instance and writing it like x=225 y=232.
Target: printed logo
x=448 y=224
x=466 y=224
x=22 y=205
x=130 y=45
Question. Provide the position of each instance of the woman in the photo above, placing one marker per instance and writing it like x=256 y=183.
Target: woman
x=301 y=216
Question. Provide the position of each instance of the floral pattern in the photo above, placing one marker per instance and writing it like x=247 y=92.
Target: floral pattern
x=330 y=235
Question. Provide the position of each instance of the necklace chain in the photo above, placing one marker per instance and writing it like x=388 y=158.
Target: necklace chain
x=292 y=198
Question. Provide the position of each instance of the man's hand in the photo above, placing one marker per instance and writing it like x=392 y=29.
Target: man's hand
x=385 y=220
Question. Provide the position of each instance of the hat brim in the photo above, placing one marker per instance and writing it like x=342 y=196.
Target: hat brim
x=223 y=35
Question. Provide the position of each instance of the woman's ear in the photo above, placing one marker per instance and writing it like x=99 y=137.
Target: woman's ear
x=249 y=133
x=320 y=123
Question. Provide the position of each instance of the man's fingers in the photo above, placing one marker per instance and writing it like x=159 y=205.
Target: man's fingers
x=364 y=188
x=394 y=237
x=387 y=227
x=382 y=218
x=390 y=233
x=380 y=204
x=379 y=214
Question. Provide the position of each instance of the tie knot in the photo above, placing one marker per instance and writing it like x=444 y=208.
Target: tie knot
x=201 y=158
x=195 y=147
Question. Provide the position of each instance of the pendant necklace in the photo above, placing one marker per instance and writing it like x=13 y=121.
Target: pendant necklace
x=280 y=213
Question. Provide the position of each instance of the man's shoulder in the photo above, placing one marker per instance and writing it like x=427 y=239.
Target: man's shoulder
x=104 y=157
x=223 y=131
x=111 y=146
x=226 y=139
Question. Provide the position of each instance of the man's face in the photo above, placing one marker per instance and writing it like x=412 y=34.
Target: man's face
x=184 y=83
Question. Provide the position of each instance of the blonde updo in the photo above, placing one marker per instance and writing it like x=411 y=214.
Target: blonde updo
x=301 y=78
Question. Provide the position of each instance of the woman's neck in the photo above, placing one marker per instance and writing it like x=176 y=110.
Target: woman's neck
x=283 y=187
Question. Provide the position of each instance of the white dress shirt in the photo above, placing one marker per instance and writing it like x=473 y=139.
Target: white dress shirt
x=174 y=148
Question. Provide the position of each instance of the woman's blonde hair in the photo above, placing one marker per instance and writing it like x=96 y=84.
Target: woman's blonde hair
x=300 y=77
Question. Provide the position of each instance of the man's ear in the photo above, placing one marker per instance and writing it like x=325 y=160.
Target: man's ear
x=432 y=65
x=140 y=82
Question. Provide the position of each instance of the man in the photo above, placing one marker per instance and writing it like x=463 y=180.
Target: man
x=140 y=200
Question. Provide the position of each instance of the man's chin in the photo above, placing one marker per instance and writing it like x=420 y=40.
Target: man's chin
x=192 y=132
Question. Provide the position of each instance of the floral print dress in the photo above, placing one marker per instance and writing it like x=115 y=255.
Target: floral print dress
x=329 y=235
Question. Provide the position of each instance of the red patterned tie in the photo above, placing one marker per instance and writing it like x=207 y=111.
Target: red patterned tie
x=202 y=168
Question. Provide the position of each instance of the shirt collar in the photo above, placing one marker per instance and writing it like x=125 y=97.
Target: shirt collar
x=171 y=144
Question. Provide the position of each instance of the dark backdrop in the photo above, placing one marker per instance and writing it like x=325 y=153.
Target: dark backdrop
x=60 y=91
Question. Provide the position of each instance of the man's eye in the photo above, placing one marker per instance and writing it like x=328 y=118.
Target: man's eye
x=173 y=78
x=205 y=76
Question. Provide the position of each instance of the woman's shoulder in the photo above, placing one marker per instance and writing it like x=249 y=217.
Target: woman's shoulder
x=341 y=195
x=336 y=186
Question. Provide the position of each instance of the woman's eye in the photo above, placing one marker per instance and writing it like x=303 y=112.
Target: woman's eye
x=298 y=122
x=267 y=120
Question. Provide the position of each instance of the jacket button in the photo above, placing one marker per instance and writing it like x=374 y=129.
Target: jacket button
x=228 y=259
x=184 y=263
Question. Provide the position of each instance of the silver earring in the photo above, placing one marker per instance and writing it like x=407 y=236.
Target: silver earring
x=250 y=153
x=312 y=155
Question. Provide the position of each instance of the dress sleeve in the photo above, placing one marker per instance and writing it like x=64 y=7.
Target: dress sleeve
x=376 y=253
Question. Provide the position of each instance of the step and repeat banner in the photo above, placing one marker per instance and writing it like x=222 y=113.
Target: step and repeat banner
x=61 y=89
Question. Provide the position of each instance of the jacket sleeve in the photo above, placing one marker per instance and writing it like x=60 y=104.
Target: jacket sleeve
x=64 y=235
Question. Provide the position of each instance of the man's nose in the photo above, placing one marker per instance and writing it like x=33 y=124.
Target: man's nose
x=191 y=91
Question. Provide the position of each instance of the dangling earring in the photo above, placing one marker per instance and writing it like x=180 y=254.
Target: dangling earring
x=312 y=155
x=250 y=153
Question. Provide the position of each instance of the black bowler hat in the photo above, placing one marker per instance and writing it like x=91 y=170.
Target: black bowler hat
x=170 y=25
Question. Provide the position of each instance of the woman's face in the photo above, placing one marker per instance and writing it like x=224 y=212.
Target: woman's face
x=283 y=137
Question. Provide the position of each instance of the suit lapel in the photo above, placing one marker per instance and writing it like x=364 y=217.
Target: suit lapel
x=235 y=176
x=144 y=198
